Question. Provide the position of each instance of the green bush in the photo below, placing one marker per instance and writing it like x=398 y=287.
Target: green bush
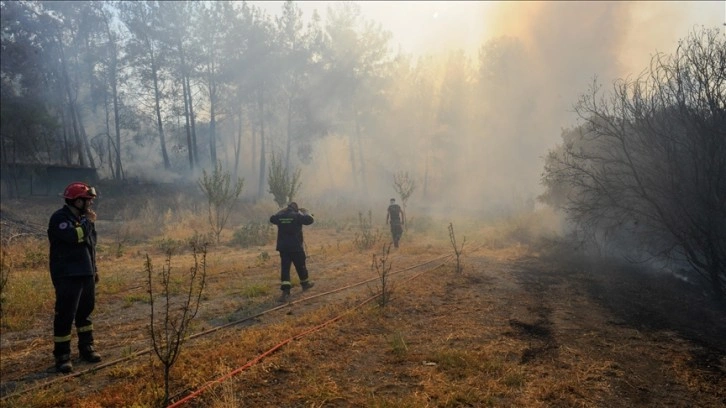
x=253 y=234
x=179 y=246
x=169 y=245
x=221 y=195
x=367 y=237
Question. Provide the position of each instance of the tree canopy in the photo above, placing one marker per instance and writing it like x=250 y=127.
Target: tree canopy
x=645 y=173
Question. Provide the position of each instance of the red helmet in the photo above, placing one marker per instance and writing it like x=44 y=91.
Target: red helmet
x=79 y=190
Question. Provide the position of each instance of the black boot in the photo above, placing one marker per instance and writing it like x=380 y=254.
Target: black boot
x=63 y=363
x=284 y=297
x=307 y=285
x=88 y=354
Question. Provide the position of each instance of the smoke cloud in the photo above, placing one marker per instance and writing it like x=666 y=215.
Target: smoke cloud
x=501 y=79
x=559 y=50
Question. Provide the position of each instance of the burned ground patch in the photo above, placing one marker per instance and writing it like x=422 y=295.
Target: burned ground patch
x=538 y=335
x=656 y=302
x=531 y=320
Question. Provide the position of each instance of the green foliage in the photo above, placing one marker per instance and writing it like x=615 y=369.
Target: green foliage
x=253 y=234
x=221 y=196
x=254 y=291
x=282 y=184
x=366 y=237
x=177 y=246
x=132 y=298
x=168 y=245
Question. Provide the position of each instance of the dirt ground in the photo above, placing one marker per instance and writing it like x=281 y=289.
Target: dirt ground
x=526 y=324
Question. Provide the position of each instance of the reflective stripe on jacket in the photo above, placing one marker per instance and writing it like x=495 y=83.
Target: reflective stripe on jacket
x=72 y=244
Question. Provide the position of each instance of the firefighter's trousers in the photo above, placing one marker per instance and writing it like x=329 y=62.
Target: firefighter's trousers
x=75 y=298
x=286 y=260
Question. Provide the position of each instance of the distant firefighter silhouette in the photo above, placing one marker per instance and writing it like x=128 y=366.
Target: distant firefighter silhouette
x=395 y=218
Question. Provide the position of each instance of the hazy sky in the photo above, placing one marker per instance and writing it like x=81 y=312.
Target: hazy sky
x=568 y=44
x=421 y=27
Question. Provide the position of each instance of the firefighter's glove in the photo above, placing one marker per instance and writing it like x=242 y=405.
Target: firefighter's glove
x=95 y=277
x=304 y=211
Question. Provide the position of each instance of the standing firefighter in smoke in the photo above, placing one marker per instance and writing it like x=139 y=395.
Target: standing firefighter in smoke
x=73 y=271
x=396 y=218
x=290 y=223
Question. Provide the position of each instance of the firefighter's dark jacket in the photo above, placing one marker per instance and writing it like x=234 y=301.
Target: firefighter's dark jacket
x=289 y=229
x=72 y=245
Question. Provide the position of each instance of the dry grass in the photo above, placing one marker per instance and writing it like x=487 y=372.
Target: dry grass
x=28 y=292
x=514 y=329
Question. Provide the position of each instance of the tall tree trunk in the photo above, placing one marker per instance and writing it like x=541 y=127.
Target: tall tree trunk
x=66 y=149
x=331 y=178
x=263 y=163
x=187 y=127
x=109 y=139
x=253 y=149
x=116 y=169
x=361 y=159
x=117 y=129
x=5 y=162
x=192 y=124
x=71 y=107
x=212 y=119
x=238 y=143
x=353 y=167
x=15 y=190
x=157 y=108
x=289 y=135
x=76 y=137
x=426 y=179
x=86 y=144
x=212 y=134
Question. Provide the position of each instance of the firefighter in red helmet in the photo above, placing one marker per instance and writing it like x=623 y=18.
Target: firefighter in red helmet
x=72 y=236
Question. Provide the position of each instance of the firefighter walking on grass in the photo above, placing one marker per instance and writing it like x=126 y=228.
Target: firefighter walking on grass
x=290 y=221
x=73 y=271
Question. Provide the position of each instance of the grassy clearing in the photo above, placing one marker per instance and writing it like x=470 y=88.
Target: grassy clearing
x=27 y=297
x=444 y=340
